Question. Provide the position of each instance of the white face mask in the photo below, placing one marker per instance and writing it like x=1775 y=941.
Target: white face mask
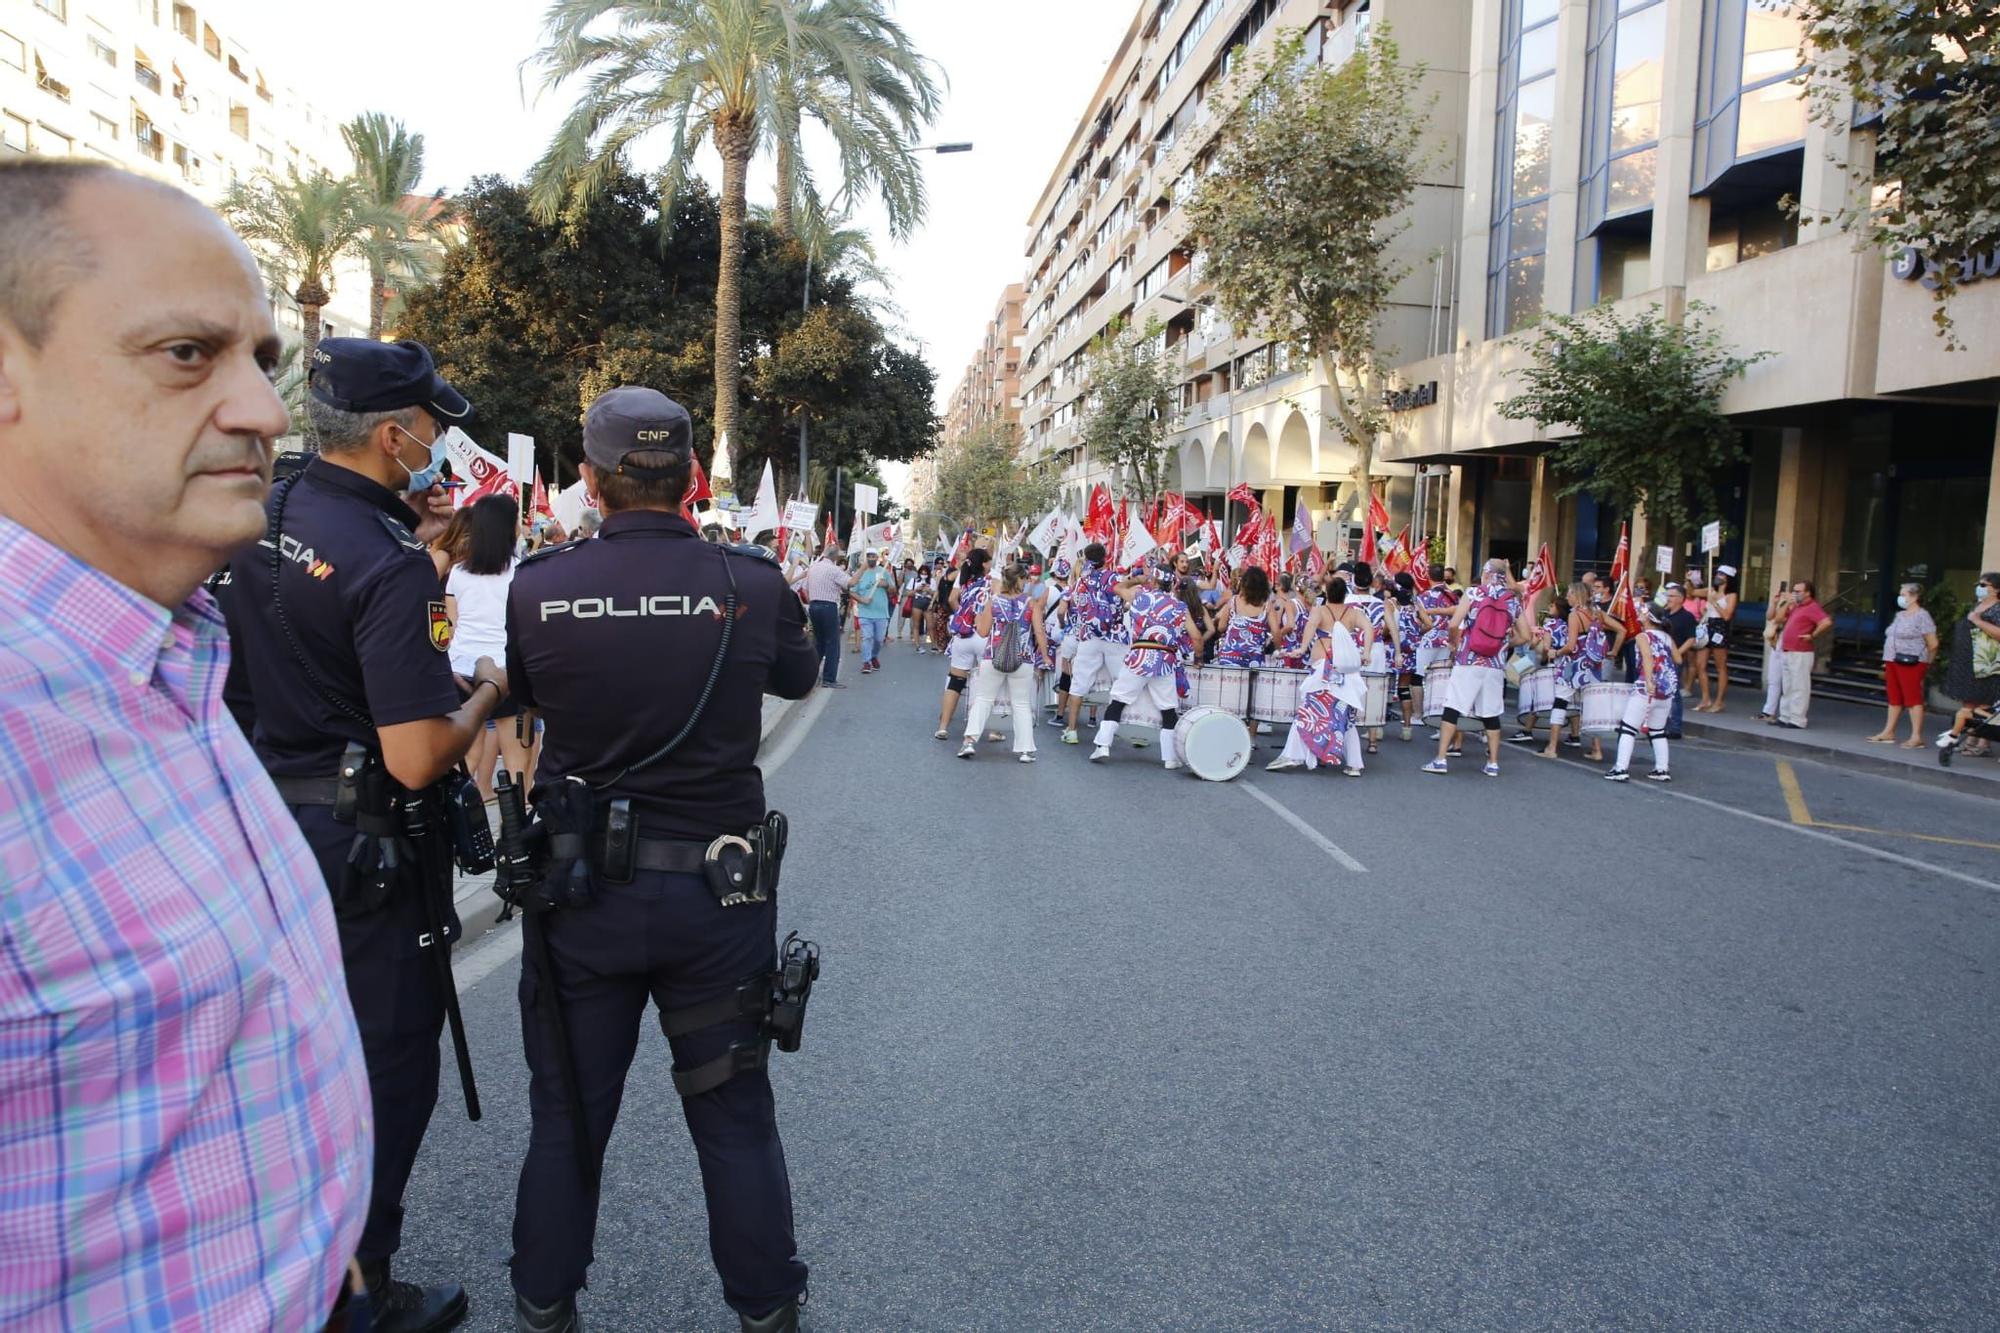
x=1902 y=602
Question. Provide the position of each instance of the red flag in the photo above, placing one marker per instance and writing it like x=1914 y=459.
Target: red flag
x=1243 y=495
x=1542 y=579
x=963 y=547
x=1100 y=517
x=698 y=491
x=1269 y=552
x=1378 y=514
x=540 y=503
x=1622 y=607
x=1420 y=573
x=1398 y=558
x=497 y=482
x=829 y=532
x=1316 y=563
x=1368 y=541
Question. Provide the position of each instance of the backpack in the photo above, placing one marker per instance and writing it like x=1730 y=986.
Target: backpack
x=1007 y=651
x=1492 y=626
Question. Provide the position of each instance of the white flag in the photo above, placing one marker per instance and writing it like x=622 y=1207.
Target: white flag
x=1045 y=531
x=1138 y=542
x=570 y=505
x=764 y=516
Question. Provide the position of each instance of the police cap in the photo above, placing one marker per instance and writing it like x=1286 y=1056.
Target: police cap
x=631 y=420
x=362 y=375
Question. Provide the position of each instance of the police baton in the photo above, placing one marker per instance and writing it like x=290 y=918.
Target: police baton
x=434 y=858
x=515 y=884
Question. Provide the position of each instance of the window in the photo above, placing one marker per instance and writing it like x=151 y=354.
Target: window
x=184 y=20
x=13 y=52
x=107 y=128
x=210 y=43
x=103 y=52
x=54 y=143
x=1522 y=137
x=1749 y=103
x=146 y=137
x=58 y=8
x=239 y=120
x=49 y=83
x=144 y=74
x=236 y=68
x=13 y=135
x=1622 y=87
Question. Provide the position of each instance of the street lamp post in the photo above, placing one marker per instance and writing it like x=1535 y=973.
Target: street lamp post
x=805 y=304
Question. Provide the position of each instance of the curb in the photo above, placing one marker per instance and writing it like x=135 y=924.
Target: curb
x=1935 y=775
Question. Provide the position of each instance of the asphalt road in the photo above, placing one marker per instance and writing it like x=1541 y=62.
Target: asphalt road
x=1099 y=1047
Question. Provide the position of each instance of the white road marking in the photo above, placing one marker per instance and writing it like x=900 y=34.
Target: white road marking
x=502 y=945
x=1312 y=835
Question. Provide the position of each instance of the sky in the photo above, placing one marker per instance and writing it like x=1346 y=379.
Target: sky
x=1020 y=75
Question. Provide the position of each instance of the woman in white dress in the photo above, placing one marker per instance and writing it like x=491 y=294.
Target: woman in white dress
x=1333 y=696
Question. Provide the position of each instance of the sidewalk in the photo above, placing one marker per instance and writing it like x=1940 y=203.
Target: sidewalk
x=1836 y=733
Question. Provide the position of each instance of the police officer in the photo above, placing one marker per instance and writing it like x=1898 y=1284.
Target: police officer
x=619 y=644
x=340 y=632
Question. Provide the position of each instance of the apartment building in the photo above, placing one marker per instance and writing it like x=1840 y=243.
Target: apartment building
x=167 y=89
x=990 y=388
x=1639 y=152
x=1109 y=243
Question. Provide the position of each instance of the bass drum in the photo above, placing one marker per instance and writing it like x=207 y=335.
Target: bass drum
x=1437 y=688
x=1602 y=705
x=1215 y=745
x=1538 y=691
x=1375 y=711
x=1274 y=696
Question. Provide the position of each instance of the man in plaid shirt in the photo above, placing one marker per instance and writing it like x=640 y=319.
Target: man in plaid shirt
x=185 y=1129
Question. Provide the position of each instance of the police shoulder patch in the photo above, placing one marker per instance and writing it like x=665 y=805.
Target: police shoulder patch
x=439 y=627
x=548 y=551
x=400 y=531
x=753 y=550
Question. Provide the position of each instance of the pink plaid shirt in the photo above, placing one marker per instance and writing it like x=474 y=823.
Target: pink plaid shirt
x=184 y=1120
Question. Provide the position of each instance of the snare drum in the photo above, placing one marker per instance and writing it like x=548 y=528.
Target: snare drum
x=1538 y=691
x=1214 y=744
x=1602 y=705
x=1274 y=696
x=1224 y=687
x=1437 y=688
x=1375 y=711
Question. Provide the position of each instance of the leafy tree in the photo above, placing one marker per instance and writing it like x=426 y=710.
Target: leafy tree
x=1643 y=396
x=1130 y=399
x=979 y=478
x=1315 y=166
x=388 y=162
x=300 y=227
x=534 y=319
x=1932 y=69
x=733 y=74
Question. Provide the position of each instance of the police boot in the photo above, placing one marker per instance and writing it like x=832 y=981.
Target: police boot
x=558 y=1318
x=784 y=1319
x=405 y=1307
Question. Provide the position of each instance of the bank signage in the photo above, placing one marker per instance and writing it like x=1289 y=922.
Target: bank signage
x=1911 y=266
x=1409 y=399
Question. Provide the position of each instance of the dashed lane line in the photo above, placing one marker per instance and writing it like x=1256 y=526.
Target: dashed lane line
x=1312 y=835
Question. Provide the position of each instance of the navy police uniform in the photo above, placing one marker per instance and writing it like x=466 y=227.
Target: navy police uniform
x=613 y=640
x=352 y=636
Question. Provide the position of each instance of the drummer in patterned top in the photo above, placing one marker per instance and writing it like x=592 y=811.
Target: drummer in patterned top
x=1486 y=623
x=1651 y=705
x=1160 y=634
x=1433 y=607
x=1097 y=617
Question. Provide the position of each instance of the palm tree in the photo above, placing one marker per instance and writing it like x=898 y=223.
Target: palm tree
x=720 y=72
x=299 y=228
x=389 y=161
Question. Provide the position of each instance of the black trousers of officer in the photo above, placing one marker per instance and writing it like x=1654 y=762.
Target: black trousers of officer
x=392 y=983
x=662 y=937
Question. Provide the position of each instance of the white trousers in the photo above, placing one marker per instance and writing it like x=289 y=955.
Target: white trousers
x=1797 y=695
x=988 y=686
x=1774 y=678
